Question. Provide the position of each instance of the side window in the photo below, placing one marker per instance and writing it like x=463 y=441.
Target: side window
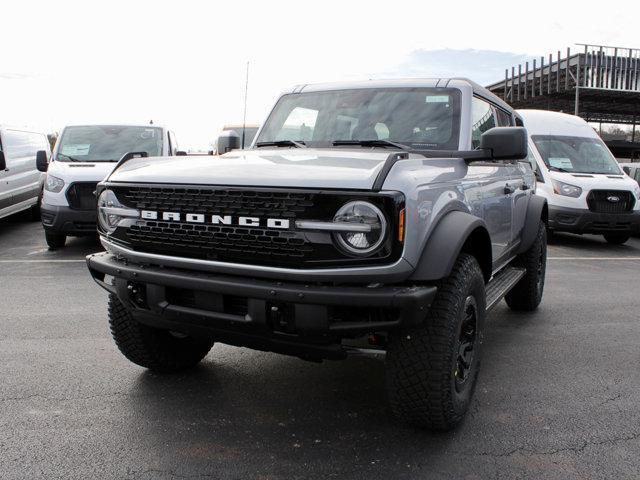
x=173 y=144
x=482 y=119
x=532 y=160
x=299 y=125
x=20 y=144
x=637 y=175
x=504 y=118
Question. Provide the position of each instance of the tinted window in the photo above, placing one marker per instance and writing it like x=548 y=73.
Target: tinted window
x=418 y=117
x=103 y=143
x=482 y=119
x=532 y=159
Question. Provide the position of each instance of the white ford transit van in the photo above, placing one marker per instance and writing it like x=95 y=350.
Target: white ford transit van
x=20 y=181
x=586 y=189
x=83 y=156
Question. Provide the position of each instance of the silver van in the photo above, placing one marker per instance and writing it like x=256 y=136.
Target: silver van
x=20 y=181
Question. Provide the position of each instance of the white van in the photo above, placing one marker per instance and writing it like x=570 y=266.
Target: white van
x=83 y=156
x=586 y=190
x=20 y=181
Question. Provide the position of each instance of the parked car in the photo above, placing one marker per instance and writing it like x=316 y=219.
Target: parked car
x=585 y=188
x=20 y=181
x=382 y=217
x=84 y=155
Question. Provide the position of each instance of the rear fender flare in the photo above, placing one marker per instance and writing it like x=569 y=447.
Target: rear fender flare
x=537 y=211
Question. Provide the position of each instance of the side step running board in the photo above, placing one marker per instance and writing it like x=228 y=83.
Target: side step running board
x=501 y=283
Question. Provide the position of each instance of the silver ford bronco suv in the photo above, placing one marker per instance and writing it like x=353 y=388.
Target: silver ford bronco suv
x=380 y=217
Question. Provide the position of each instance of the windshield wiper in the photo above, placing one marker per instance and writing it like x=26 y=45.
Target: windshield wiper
x=282 y=143
x=558 y=169
x=69 y=157
x=372 y=143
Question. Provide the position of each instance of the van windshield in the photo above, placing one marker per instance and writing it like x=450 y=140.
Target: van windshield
x=576 y=154
x=421 y=118
x=107 y=143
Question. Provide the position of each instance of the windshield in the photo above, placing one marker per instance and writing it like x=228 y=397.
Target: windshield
x=422 y=118
x=576 y=154
x=106 y=143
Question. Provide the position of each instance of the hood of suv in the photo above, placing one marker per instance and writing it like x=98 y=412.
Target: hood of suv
x=281 y=167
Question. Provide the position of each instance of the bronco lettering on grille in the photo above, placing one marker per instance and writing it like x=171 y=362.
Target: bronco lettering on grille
x=215 y=219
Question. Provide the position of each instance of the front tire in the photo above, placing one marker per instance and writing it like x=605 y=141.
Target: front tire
x=432 y=369
x=616 y=238
x=527 y=294
x=55 y=240
x=153 y=348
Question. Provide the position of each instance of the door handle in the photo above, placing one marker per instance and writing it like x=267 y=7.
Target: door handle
x=508 y=189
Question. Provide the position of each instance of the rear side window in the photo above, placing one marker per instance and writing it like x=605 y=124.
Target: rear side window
x=482 y=119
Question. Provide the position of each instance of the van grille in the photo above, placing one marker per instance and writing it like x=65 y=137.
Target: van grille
x=81 y=195
x=610 y=201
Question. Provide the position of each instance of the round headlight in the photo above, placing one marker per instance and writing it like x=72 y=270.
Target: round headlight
x=364 y=230
x=108 y=211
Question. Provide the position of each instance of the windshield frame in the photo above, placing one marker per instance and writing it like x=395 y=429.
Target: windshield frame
x=60 y=156
x=452 y=144
x=595 y=140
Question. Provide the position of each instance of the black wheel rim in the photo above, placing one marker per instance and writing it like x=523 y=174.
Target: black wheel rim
x=466 y=343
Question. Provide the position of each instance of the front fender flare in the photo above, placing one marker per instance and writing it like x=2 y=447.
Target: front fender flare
x=447 y=241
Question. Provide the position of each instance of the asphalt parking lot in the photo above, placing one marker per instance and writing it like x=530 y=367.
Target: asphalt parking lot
x=557 y=397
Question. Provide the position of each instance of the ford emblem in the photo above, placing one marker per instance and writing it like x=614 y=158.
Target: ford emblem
x=613 y=199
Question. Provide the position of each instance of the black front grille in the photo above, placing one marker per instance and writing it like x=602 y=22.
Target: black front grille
x=81 y=195
x=258 y=245
x=610 y=201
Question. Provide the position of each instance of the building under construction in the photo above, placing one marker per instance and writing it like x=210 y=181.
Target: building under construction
x=597 y=82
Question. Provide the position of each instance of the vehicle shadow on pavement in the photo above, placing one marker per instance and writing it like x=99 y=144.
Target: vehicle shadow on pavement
x=280 y=409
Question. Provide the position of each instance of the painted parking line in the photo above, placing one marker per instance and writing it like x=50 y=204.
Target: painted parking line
x=44 y=261
x=593 y=258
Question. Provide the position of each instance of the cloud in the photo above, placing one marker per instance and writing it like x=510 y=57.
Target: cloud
x=15 y=76
x=482 y=66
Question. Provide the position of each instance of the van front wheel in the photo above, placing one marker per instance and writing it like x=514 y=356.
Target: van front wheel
x=616 y=238
x=55 y=240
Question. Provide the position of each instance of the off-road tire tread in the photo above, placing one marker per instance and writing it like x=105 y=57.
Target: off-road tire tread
x=524 y=297
x=418 y=362
x=152 y=348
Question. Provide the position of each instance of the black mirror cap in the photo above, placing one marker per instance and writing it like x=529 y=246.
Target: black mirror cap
x=42 y=161
x=227 y=141
x=505 y=143
x=181 y=153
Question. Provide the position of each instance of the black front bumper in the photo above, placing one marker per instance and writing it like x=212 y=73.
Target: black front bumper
x=585 y=221
x=68 y=221
x=306 y=320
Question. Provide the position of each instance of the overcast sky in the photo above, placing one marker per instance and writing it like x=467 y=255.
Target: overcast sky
x=182 y=63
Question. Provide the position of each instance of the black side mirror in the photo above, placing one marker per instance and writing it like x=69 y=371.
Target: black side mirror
x=227 y=141
x=181 y=153
x=42 y=161
x=505 y=143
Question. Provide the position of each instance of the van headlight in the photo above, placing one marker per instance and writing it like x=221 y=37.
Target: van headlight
x=364 y=229
x=566 y=189
x=111 y=212
x=53 y=184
